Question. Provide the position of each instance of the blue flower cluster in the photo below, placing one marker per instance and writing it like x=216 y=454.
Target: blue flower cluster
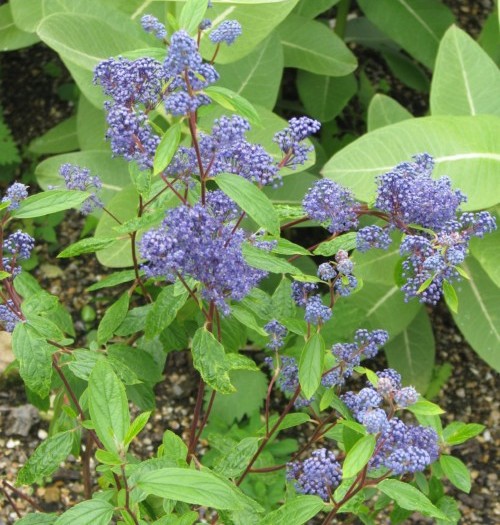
x=228 y=31
x=80 y=179
x=9 y=315
x=277 y=333
x=288 y=378
x=14 y=195
x=318 y=475
x=201 y=241
x=290 y=140
x=151 y=24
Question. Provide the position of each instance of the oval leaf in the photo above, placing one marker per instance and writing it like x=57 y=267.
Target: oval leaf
x=167 y=148
x=456 y=472
x=311 y=365
x=358 y=456
x=49 y=202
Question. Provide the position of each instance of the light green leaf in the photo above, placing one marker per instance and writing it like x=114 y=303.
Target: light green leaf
x=46 y=458
x=289 y=421
x=247 y=319
x=456 y=472
x=166 y=148
x=384 y=110
x=91 y=126
x=113 y=279
x=263 y=260
x=192 y=14
x=313 y=9
x=27 y=13
x=449 y=507
x=113 y=318
x=405 y=69
x=108 y=406
x=257 y=76
x=59 y=139
x=197 y=487
x=487 y=252
x=173 y=446
x=233 y=102
x=412 y=352
x=37 y=518
x=461 y=147
x=466 y=81
x=88 y=245
x=251 y=200
x=416 y=26
x=296 y=511
x=236 y=460
x=282 y=302
x=312 y=46
x=311 y=365
x=450 y=296
x=209 y=359
x=425 y=408
x=11 y=36
x=347 y=242
x=458 y=432
x=358 y=456
x=95 y=511
x=408 y=497
x=49 y=202
x=241 y=362
x=135 y=428
x=164 y=311
x=479 y=314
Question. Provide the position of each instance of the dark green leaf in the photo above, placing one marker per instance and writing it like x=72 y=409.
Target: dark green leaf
x=113 y=280
x=167 y=148
x=89 y=245
x=358 y=456
x=449 y=506
x=164 y=311
x=311 y=365
x=49 y=202
x=113 y=318
x=456 y=472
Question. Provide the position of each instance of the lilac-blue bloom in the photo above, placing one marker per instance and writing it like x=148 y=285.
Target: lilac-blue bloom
x=15 y=194
x=9 y=316
x=316 y=312
x=372 y=237
x=151 y=24
x=228 y=31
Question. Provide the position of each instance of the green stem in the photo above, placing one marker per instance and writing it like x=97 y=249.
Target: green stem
x=341 y=18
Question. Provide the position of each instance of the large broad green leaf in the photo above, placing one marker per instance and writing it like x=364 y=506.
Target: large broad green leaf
x=198 y=487
x=417 y=26
x=487 y=252
x=490 y=34
x=412 y=352
x=384 y=110
x=313 y=9
x=112 y=171
x=91 y=126
x=46 y=458
x=11 y=36
x=466 y=81
x=257 y=76
x=478 y=314
x=257 y=20
x=108 y=406
x=59 y=139
x=297 y=511
x=311 y=365
x=95 y=511
x=312 y=46
x=407 y=70
x=27 y=13
x=464 y=148
x=324 y=97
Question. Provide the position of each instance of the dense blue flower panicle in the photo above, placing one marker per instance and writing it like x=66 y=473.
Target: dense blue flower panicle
x=408 y=194
x=76 y=178
x=288 y=378
x=318 y=475
x=9 y=316
x=370 y=342
x=345 y=285
x=229 y=130
x=151 y=24
x=316 y=312
x=366 y=399
x=332 y=205
x=199 y=241
x=372 y=237
x=290 y=140
x=374 y=420
x=326 y=272
x=406 y=396
x=228 y=31
x=277 y=332
x=409 y=459
x=183 y=165
x=131 y=81
x=388 y=381
x=19 y=245
x=477 y=224
x=301 y=291
x=181 y=103
x=182 y=55
x=15 y=194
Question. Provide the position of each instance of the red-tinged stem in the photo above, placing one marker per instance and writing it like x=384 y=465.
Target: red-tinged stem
x=216 y=52
x=11 y=501
x=294 y=223
x=192 y=294
x=21 y=495
x=171 y=187
x=112 y=215
x=133 y=237
x=206 y=415
x=127 y=497
x=196 y=417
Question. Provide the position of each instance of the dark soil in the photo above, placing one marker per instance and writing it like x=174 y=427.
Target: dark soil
x=30 y=96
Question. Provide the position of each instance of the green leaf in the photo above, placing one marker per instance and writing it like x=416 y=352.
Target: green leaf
x=466 y=81
x=417 y=27
x=88 y=245
x=286 y=247
x=412 y=352
x=487 y=252
x=479 y=315
x=282 y=302
x=35 y=359
x=312 y=46
x=139 y=360
x=11 y=36
x=113 y=279
x=311 y=365
x=37 y=518
x=456 y=472
x=135 y=428
x=230 y=100
x=173 y=446
x=450 y=296
x=49 y=202
x=344 y=242
x=166 y=148
x=313 y=9
x=95 y=511
x=425 y=408
x=384 y=110
x=460 y=146
x=193 y=486
x=407 y=70
x=192 y=14
x=289 y=421
x=251 y=200
x=257 y=76
x=458 y=432
x=113 y=318
x=59 y=139
x=44 y=327
x=247 y=319
x=241 y=362
x=91 y=126
x=358 y=456
x=296 y=511
x=108 y=406
x=46 y=458
x=410 y=498
x=449 y=506
x=236 y=460
x=263 y=260
x=490 y=33
x=324 y=97
x=209 y=359
x=164 y=311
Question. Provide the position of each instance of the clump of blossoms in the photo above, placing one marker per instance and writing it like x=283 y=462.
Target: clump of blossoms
x=76 y=178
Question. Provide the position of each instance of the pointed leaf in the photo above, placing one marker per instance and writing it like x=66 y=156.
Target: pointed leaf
x=164 y=311
x=358 y=456
x=456 y=472
x=95 y=511
x=166 y=148
x=113 y=318
x=49 y=202
x=311 y=365
x=296 y=511
x=384 y=110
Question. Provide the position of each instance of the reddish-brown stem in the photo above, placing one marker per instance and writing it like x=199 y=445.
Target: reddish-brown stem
x=206 y=415
x=11 y=501
x=194 y=424
x=87 y=478
x=294 y=223
x=216 y=52
x=192 y=294
x=112 y=215
x=21 y=495
x=127 y=497
x=138 y=278
x=171 y=187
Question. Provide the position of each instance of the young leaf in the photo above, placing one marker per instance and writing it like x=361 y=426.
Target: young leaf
x=456 y=472
x=49 y=202
x=112 y=319
x=174 y=447
x=251 y=200
x=233 y=102
x=425 y=408
x=108 y=406
x=89 y=245
x=311 y=365
x=137 y=425
x=95 y=511
x=410 y=498
x=450 y=296
x=358 y=456
x=209 y=358
x=46 y=458
x=167 y=148
x=458 y=432
x=192 y=14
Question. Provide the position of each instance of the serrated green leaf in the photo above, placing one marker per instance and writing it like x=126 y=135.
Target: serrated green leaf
x=173 y=447
x=311 y=365
x=95 y=511
x=37 y=518
x=167 y=148
x=296 y=511
x=164 y=311
x=113 y=318
x=456 y=472
x=135 y=428
x=49 y=202
x=89 y=245
x=241 y=362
